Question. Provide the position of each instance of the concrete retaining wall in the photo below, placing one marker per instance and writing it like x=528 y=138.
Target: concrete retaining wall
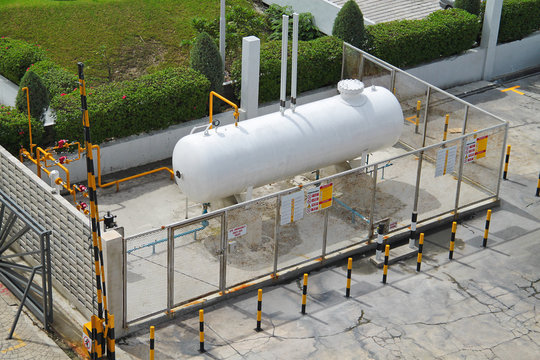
x=71 y=259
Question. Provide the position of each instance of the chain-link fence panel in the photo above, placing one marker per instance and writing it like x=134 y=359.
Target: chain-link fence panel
x=394 y=196
x=444 y=118
x=438 y=181
x=482 y=159
x=350 y=214
x=197 y=257
x=250 y=238
x=146 y=272
x=301 y=224
x=411 y=94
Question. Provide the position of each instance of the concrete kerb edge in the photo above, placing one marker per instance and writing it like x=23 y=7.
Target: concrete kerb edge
x=312 y=265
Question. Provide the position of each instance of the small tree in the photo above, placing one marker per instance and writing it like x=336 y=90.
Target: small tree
x=471 y=6
x=206 y=59
x=39 y=98
x=349 y=24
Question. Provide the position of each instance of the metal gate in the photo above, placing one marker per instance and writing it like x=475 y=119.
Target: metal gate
x=16 y=226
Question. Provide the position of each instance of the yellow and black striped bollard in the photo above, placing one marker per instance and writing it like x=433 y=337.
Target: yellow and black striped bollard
x=486 y=231
x=201 y=330
x=152 y=333
x=111 y=341
x=445 y=133
x=304 y=295
x=259 y=310
x=385 y=268
x=538 y=186
x=506 y=161
x=420 y=248
x=452 y=240
x=94 y=338
x=417 y=121
x=349 y=274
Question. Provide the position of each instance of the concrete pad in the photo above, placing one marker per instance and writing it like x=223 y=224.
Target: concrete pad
x=396 y=254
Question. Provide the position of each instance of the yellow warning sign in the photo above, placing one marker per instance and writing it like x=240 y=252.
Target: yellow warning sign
x=481 y=146
x=326 y=196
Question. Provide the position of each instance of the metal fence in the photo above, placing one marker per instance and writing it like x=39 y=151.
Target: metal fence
x=315 y=218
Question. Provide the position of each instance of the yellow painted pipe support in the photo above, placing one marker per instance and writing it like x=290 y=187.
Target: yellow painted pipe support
x=349 y=274
x=29 y=119
x=236 y=113
x=152 y=342
x=486 y=230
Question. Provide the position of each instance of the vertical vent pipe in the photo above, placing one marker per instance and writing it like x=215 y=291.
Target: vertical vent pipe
x=284 y=40
x=294 y=74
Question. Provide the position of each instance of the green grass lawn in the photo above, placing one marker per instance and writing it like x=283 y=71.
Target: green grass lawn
x=126 y=37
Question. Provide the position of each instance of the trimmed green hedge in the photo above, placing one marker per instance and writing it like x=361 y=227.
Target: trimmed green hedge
x=14 y=130
x=519 y=18
x=406 y=43
x=319 y=64
x=56 y=79
x=16 y=56
x=121 y=109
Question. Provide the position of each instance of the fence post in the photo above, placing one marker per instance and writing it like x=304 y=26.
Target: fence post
x=385 y=268
x=349 y=273
x=304 y=294
x=420 y=248
x=486 y=231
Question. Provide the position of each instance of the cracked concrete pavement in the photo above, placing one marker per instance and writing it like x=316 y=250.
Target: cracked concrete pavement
x=481 y=305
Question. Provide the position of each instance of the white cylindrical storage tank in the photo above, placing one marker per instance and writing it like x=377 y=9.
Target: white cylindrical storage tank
x=227 y=160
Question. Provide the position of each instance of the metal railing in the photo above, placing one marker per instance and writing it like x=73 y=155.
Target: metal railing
x=252 y=240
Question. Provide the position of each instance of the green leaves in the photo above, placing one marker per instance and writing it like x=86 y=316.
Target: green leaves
x=38 y=95
x=121 y=109
x=17 y=56
x=206 y=59
x=14 y=130
x=349 y=24
x=407 y=43
x=519 y=18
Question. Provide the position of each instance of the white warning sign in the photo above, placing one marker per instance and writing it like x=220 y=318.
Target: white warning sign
x=237 y=232
x=292 y=207
x=446 y=161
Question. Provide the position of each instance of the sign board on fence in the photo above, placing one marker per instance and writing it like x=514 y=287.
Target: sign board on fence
x=475 y=149
x=237 y=231
x=319 y=198
x=292 y=207
x=446 y=161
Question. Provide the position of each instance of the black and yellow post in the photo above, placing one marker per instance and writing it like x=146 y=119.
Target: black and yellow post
x=91 y=189
x=304 y=295
x=201 y=330
x=93 y=338
x=538 y=186
x=417 y=120
x=445 y=132
x=506 y=161
x=486 y=230
x=111 y=341
x=385 y=267
x=452 y=240
x=152 y=333
x=349 y=274
x=259 y=310
x=420 y=248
